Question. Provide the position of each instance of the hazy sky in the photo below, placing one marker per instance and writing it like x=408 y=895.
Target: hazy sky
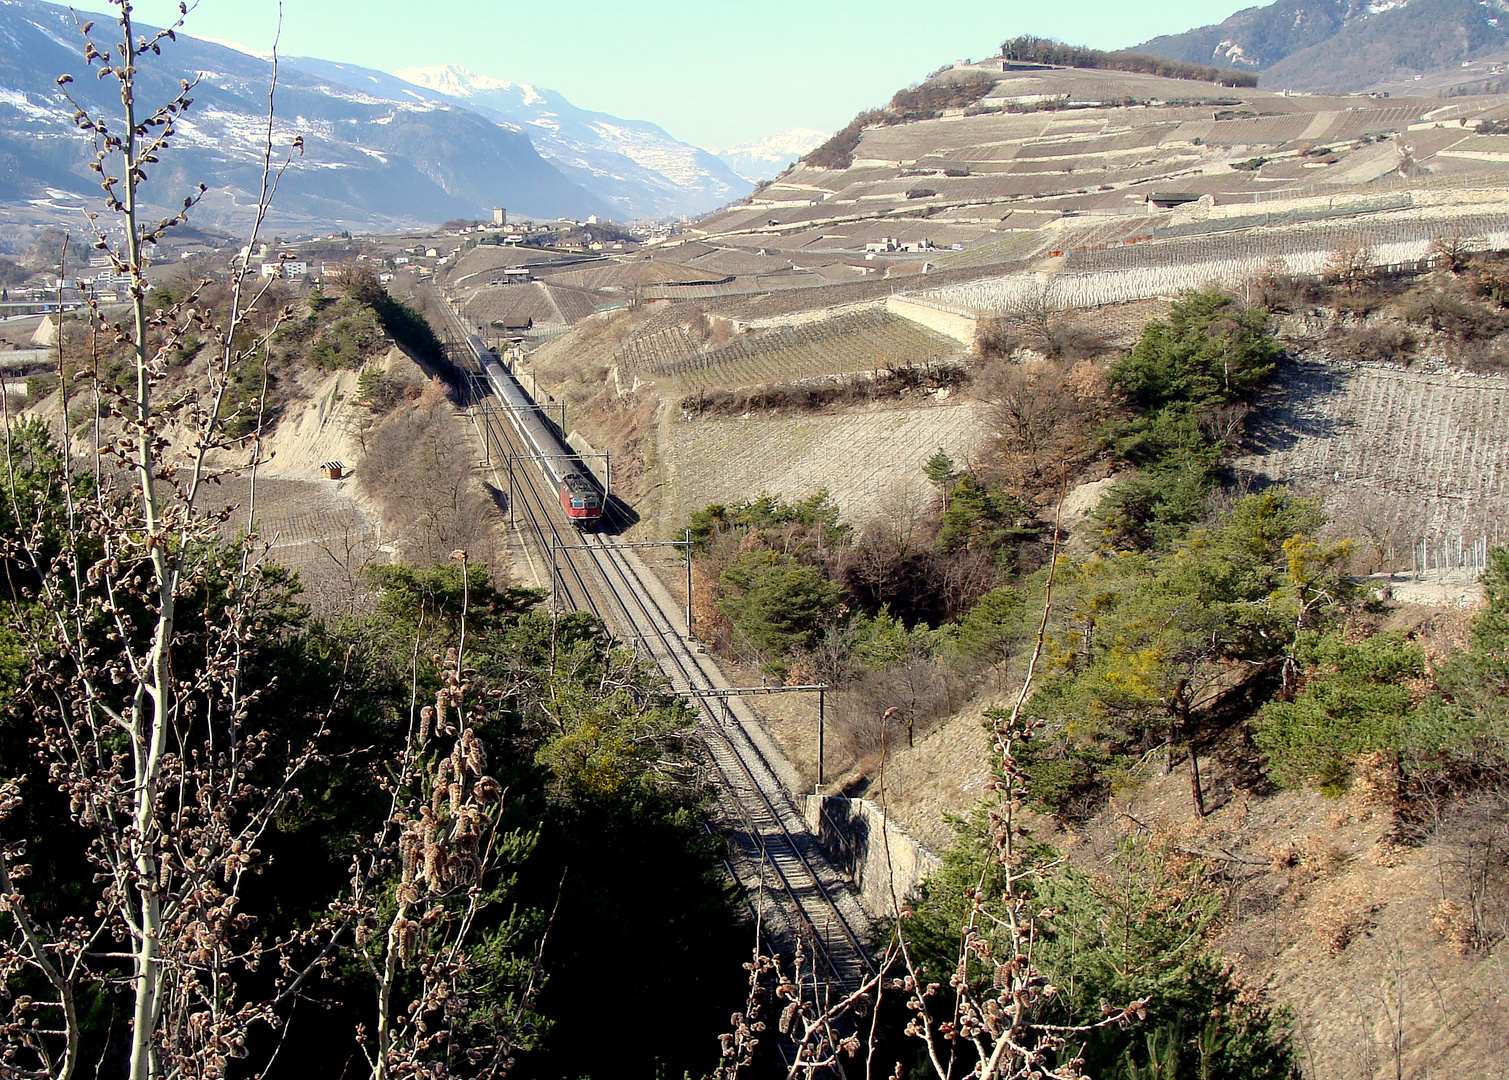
x=711 y=72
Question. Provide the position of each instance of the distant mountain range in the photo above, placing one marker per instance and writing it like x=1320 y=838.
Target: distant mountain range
x=768 y=157
x=1344 y=45
x=632 y=165
x=376 y=157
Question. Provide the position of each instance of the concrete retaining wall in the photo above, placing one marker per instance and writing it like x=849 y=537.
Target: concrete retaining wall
x=959 y=327
x=849 y=831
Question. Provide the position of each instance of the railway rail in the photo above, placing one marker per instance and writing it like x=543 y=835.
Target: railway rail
x=795 y=894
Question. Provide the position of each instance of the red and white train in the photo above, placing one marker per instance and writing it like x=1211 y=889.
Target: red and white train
x=579 y=493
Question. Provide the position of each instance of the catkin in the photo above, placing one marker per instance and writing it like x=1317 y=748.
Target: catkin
x=475 y=755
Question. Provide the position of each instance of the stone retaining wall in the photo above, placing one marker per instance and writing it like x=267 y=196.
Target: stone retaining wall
x=849 y=831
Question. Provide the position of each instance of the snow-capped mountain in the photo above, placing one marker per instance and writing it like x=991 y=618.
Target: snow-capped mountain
x=369 y=162
x=632 y=164
x=768 y=157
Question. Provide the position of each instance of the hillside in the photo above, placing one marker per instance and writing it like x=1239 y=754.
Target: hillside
x=1057 y=189
x=966 y=272
x=1054 y=159
x=1331 y=46
x=367 y=163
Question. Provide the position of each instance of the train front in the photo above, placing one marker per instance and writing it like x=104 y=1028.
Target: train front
x=581 y=499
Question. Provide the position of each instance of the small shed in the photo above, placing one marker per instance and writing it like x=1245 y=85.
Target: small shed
x=333 y=470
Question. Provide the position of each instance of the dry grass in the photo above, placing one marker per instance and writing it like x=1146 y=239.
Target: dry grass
x=420 y=469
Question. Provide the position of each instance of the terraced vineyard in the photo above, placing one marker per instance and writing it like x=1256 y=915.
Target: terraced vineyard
x=313 y=527
x=1144 y=271
x=865 y=340
x=870 y=461
x=1399 y=455
x=648 y=352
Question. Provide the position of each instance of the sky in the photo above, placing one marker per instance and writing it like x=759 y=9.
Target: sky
x=711 y=72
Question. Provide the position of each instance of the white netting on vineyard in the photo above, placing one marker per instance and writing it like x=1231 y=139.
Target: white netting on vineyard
x=1145 y=271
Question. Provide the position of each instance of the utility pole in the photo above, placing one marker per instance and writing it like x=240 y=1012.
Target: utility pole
x=822 y=695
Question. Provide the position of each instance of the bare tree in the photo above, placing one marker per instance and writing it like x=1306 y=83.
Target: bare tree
x=1351 y=266
x=437 y=1011
x=1453 y=253
x=140 y=622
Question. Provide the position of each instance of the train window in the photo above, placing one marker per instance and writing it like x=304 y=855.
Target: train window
x=578 y=504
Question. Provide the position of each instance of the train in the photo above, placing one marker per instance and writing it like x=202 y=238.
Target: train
x=580 y=496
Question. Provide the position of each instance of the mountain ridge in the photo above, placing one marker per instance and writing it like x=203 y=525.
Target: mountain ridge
x=367 y=163
x=379 y=154
x=762 y=159
x=634 y=165
x=1334 y=46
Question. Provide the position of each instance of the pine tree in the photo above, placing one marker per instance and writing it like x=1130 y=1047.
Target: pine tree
x=940 y=470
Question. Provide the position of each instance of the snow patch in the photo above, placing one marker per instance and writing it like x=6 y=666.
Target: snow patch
x=456 y=81
x=31 y=112
x=72 y=46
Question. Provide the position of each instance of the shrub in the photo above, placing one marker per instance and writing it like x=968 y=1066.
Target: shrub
x=994 y=626
x=1155 y=507
x=776 y=603
x=983 y=519
x=1209 y=352
x=39 y=386
x=797 y=527
x=1488 y=277
x=838 y=151
x=1356 y=699
x=1187 y=378
x=1441 y=311
x=348 y=341
x=1372 y=344
x=380 y=391
x=931 y=98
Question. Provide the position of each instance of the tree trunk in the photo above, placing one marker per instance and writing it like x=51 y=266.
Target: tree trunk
x=1195 y=791
x=1181 y=705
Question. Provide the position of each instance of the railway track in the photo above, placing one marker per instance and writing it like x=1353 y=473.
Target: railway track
x=797 y=897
